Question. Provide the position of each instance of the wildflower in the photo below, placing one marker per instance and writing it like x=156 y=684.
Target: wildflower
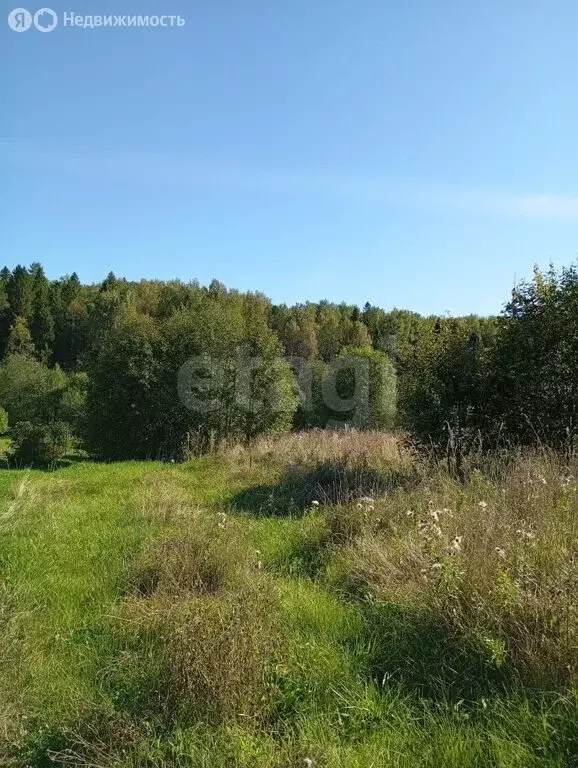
x=423 y=527
x=434 y=514
x=456 y=544
x=315 y=503
x=308 y=762
x=409 y=513
x=482 y=504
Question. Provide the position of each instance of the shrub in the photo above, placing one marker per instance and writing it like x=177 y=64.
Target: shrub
x=39 y=444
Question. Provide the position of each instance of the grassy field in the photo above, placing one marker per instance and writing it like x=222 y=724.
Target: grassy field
x=321 y=600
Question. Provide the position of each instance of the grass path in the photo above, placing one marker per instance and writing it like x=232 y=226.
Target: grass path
x=66 y=541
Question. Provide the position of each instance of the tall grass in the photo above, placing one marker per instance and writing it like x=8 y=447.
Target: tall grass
x=158 y=616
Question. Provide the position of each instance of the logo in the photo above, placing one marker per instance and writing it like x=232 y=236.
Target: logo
x=45 y=20
x=20 y=20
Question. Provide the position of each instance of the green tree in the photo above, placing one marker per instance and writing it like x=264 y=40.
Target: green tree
x=30 y=391
x=20 y=290
x=366 y=377
x=42 y=323
x=20 y=340
x=534 y=375
x=443 y=389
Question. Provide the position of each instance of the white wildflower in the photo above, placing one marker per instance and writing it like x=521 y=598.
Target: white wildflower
x=456 y=544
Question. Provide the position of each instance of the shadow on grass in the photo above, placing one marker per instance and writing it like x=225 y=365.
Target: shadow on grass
x=6 y=462
x=413 y=650
x=327 y=483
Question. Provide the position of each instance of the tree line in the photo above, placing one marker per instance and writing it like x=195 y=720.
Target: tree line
x=155 y=369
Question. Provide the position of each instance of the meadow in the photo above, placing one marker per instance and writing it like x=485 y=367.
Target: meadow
x=321 y=599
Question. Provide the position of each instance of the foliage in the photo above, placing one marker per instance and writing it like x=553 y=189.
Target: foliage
x=32 y=392
x=210 y=372
x=3 y=421
x=534 y=376
x=461 y=382
x=20 y=339
x=368 y=377
x=443 y=390
x=39 y=444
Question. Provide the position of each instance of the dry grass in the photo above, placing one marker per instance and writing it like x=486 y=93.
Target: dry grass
x=211 y=653
x=351 y=447
x=496 y=562
x=210 y=555
x=204 y=611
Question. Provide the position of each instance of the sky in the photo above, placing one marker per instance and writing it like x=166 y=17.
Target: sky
x=418 y=154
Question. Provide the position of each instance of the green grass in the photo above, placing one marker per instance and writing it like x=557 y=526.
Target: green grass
x=253 y=642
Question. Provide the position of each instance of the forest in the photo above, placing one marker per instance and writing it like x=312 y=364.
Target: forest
x=166 y=370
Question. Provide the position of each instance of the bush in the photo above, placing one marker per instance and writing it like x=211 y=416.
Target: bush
x=39 y=444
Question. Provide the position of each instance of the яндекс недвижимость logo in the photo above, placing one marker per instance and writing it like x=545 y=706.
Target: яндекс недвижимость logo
x=21 y=20
x=46 y=19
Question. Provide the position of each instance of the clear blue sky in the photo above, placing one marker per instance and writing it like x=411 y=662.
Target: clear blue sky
x=418 y=154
